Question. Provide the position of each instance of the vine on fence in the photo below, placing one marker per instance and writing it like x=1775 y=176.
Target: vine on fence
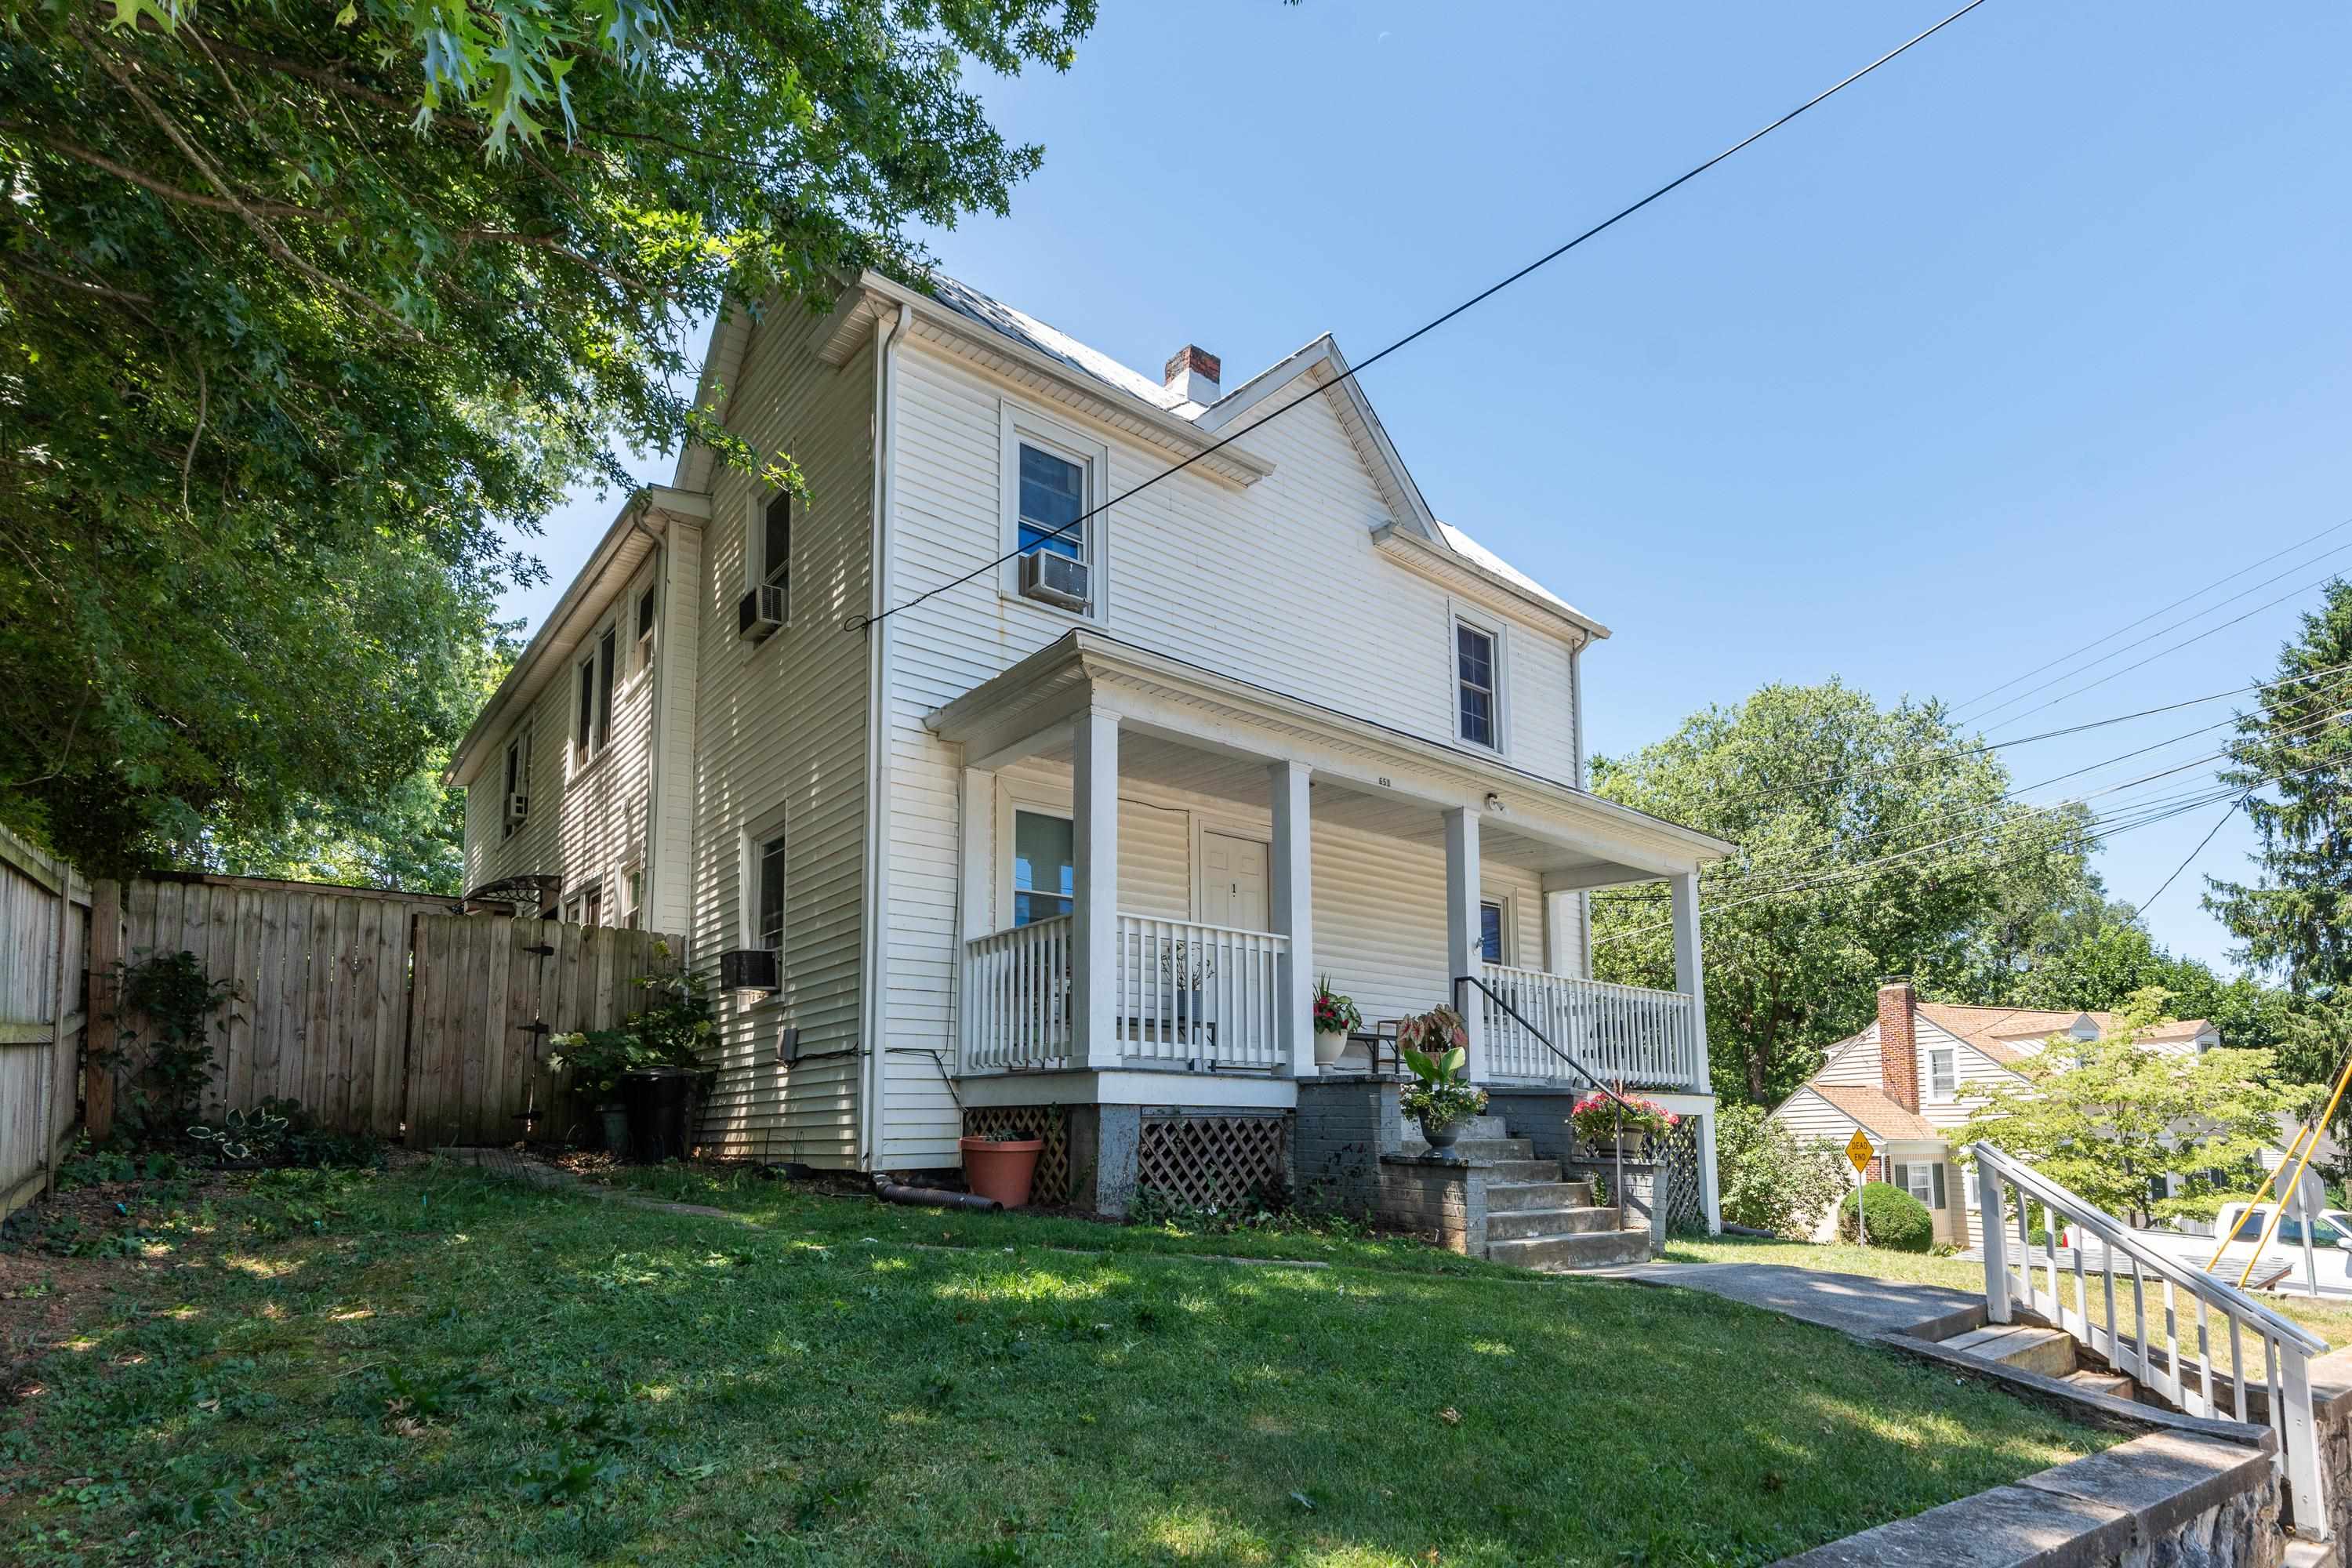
x=177 y=1001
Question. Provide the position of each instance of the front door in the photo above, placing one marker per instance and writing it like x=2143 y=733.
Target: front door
x=1233 y=881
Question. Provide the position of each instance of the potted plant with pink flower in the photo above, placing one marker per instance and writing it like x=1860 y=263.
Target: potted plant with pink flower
x=1626 y=1124
x=1436 y=1048
x=1336 y=1018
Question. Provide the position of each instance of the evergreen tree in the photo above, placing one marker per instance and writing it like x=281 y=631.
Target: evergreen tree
x=2292 y=755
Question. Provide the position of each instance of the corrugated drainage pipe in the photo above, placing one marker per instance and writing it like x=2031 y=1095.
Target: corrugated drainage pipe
x=934 y=1197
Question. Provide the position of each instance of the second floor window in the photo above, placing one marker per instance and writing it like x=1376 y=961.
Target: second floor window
x=1052 y=497
x=646 y=627
x=518 y=780
x=596 y=697
x=1474 y=664
x=776 y=547
x=1943 y=1082
x=768 y=912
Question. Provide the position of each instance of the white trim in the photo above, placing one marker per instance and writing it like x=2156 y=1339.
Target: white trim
x=1507 y=906
x=755 y=542
x=1234 y=1090
x=1014 y=795
x=773 y=822
x=1496 y=633
x=1019 y=423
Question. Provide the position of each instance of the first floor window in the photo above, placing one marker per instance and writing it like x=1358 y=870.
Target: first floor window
x=1490 y=932
x=633 y=890
x=1923 y=1180
x=1474 y=658
x=768 y=908
x=1045 y=867
x=592 y=906
x=1053 y=498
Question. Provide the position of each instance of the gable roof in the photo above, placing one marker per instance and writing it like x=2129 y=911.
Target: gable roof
x=2009 y=1034
x=1874 y=1113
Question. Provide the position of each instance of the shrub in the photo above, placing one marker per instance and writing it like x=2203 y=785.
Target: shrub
x=1897 y=1220
x=1768 y=1178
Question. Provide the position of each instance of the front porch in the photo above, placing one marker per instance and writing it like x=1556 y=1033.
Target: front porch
x=1159 y=862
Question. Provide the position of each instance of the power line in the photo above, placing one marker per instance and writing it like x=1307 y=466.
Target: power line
x=2142 y=908
x=860 y=623
x=2153 y=613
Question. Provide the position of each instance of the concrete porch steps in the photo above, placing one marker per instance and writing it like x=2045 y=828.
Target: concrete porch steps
x=1568 y=1251
x=1520 y=1225
x=1503 y=1196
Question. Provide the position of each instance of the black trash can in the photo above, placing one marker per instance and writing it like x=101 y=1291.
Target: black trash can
x=655 y=1099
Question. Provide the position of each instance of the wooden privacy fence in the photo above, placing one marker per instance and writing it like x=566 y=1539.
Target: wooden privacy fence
x=44 y=928
x=383 y=1011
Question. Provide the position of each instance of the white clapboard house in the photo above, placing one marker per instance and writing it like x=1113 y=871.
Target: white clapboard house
x=1074 y=833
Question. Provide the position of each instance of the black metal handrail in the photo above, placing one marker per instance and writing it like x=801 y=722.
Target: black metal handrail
x=1617 y=1152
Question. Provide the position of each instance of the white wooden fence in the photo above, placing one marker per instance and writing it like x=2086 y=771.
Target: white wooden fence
x=44 y=928
x=1620 y=1034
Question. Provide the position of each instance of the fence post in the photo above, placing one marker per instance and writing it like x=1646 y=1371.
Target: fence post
x=104 y=1032
x=1996 y=1242
x=58 y=1014
x=2305 y=1487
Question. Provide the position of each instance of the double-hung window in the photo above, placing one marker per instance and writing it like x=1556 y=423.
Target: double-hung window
x=596 y=697
x=1943 y=1080
x=518 y=780
x=1045 y=867
x=776 y=548
x=1477 y=686
x=768 y=906
x=646 y=627
x=1923 y=1180
x=1053 y=498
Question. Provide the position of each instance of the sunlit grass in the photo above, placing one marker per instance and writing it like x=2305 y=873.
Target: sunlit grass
x=581 y=1382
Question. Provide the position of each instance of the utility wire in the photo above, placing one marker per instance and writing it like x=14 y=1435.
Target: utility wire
x=860 y=623
x=2142 y=908
x=2153 y=613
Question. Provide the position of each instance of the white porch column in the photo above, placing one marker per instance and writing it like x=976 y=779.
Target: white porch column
x=1690 y=979
x=1094 y=833
x=1462 y=951
x=1291 y=905
x=1563 y=941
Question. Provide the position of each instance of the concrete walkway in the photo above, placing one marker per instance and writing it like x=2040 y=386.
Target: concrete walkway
x=1852 y=1303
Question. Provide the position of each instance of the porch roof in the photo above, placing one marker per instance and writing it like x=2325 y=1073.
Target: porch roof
x=1154 y=693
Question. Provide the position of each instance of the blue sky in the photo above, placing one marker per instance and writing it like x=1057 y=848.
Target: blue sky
x=2036 y=330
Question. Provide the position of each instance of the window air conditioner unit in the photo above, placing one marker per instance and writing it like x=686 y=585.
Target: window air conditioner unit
x=761 y=613
x=1052 y=579
x=748 y=969
x=517 y=808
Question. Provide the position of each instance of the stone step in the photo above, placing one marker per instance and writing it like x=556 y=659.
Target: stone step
x=2048 y=1352
x=2114 y=1385
x=1523 y=1171
x=1519 y=1225
x=1502 y=1197
x=1559 y=1253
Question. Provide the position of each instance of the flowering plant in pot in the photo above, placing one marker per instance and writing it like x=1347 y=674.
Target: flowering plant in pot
x=1442 y=1097
x=1002 y=1164
x=1335 y=1018
x=1601 y=1123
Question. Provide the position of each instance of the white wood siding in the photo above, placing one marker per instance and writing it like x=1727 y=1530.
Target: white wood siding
x=1809 y=1116
x=587 y=819
x=1972 y=1066
x=1855 y=1064
x=781 y=725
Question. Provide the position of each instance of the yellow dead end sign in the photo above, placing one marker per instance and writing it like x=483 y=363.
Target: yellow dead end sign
x=1858 y=1152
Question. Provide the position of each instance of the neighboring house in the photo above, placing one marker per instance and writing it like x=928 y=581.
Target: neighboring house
x=1907 y=1097
x=1079 y=828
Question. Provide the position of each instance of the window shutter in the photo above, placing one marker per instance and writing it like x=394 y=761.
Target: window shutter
x=1902 y=1177
x=1938 y=1169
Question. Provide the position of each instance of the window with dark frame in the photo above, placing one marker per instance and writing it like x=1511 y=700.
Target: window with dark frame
x=518 y=779
x=769 y=928
x=606 y=646
x=591 y=908
x=1052 y=497
x=1475 y=673
x=1490 y=932
x=583 y=732
x=776 y=548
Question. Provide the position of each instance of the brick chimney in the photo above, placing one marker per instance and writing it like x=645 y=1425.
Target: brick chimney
x=1898 y=1043
x=1192 y=375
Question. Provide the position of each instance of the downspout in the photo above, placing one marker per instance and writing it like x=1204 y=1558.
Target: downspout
x=871 y=1025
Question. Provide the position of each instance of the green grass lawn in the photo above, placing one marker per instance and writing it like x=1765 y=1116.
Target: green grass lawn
x=433 y=1366
x=2332 y=1320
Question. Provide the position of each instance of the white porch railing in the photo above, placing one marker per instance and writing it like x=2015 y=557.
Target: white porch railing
x=1197 y=996
x=1187 y=995
x=1619 y=1034
x=1017 y=1000
x=2008 y=1188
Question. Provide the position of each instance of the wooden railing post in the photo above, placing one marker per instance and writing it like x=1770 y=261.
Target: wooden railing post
x=1995 y=1243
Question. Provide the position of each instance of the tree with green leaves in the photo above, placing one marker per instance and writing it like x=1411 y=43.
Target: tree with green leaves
x=1871 y=842
x=2104 y=1119
x=2292 y=756
x=308 y=312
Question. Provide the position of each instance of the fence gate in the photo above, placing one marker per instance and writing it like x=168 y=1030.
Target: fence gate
x=485 y=995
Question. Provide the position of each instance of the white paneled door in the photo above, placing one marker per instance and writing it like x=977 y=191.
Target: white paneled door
x=1233 y=881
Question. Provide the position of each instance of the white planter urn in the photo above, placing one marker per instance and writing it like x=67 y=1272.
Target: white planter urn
x=1328 y=1046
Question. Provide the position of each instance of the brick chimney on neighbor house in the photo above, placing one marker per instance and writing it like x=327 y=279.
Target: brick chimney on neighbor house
x=1192 y=375
x=1898 y=1043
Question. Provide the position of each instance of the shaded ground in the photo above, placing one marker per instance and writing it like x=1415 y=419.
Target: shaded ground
x=434 y=1365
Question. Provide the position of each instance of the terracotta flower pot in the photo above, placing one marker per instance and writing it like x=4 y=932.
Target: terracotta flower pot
x=1000 y=1171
